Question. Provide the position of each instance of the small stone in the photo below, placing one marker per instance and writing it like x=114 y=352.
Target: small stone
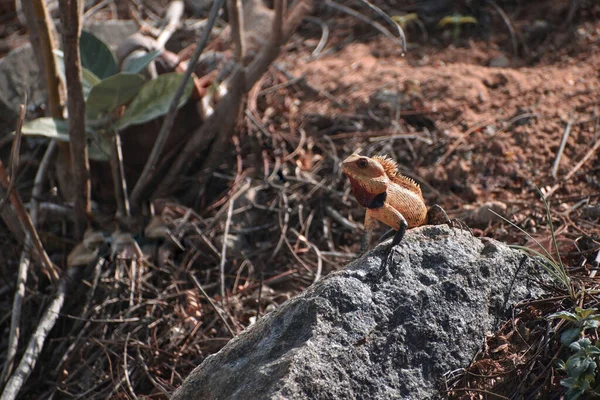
x=482 y=215
x=500 y=61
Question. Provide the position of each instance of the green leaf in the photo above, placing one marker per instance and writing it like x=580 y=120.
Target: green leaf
x=584 y=313
x=111 y=93
x=137 y=65
x=560 y=365
x=154 y=99
x=99 y=147
x=568 y=382
x=88 y=79
x=96 y=56
x=577 y=366
x=569 y=336
x=52 y=128
x=564 y=315
x=590 y=324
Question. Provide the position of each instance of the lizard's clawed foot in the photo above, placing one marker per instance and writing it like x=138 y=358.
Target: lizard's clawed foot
x=395 y=241
x=436 y=215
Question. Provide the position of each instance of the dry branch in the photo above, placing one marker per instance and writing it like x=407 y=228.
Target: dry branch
x=561 y=148
x=36 y=344
x=151 y=166
x=236 y=21
x=45 y=28
x=23 y=216
x=172 y=21
x=219 y=125
x=71 y=15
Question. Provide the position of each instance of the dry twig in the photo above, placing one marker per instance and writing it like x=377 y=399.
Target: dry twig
x=36 y=344
x=24 y=263
x=561 y=148
x=151 y=166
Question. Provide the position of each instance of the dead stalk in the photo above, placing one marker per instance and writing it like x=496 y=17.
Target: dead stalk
x=224 y=249
x=576 y=168
x=212 y=303
x=36 y=343
x=236 y=21
x=24 y=264
x=14 y=154
x=45 y=28
x=561 y=148
x=71 y=16
x=23 y=216
x=172 y=22
x=120 y=182
x=220 y=124
x=367 y=20
x=150 y=168
x=513 y=36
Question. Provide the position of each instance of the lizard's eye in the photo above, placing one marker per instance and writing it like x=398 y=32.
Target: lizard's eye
x=362 y=163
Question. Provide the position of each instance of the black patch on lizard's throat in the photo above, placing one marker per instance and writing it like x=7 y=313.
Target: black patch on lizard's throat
x=378 y=201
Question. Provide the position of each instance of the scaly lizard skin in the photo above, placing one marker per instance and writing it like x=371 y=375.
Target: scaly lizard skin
x=389 y=196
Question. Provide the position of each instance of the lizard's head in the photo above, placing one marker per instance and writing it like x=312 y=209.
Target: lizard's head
x=362 y=168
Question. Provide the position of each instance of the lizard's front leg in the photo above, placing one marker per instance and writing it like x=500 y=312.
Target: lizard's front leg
x=365 y=242
x=392 y=218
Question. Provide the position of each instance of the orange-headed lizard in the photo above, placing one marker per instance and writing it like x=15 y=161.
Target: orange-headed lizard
x=389 y=196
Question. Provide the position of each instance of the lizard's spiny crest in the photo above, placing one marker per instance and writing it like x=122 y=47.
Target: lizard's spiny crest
x=391 y=170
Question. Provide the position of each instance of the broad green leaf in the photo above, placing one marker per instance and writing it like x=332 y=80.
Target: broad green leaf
x=154 y=99
x=88 y=79
x=99 y=147
x=137 y=65
x=52 y=128
x=96 y=56
x=590 y=324
x=577 y=366
x=584 y=313
x=564 y=315
x=569 y=336
x=111 y=93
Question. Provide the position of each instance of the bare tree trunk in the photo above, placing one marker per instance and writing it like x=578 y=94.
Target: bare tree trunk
x=71 y=12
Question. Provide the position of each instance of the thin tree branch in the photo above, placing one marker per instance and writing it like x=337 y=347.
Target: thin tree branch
x=143 y=182
x=23 y=216
x=236 y=22
x=561 y=148
x=71 y=16
x=173 y=20
x=48 y=45
x=14 y=154
x=270 y=52
x=220 y=124
x=36 y=344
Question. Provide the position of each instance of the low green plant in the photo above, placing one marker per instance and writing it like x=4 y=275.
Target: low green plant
x=106 y=91
x=551 y=263
x=403 y=20
x=583 y=319
x=457 y=21
x=581 y=369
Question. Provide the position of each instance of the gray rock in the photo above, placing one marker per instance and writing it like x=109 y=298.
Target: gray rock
x=371 y=333
x=500 y=61
x=18 y=76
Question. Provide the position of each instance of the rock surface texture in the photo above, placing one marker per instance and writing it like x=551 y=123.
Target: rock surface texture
x=372 y=333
